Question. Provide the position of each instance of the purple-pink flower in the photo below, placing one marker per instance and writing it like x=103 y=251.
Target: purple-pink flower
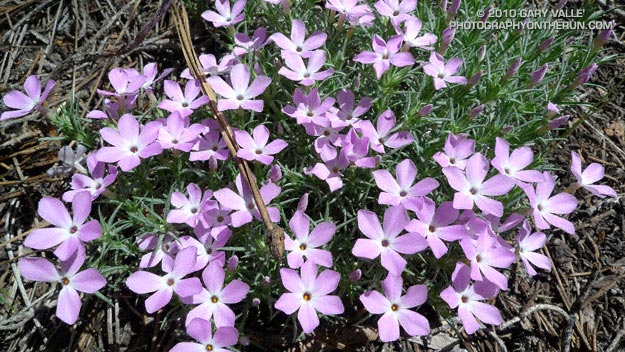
x=96 y=184
x=189 y=210
x=305 y=74
x=183 y=103
x=545 y=207
x=305 y=244
x=173 y=281
x=467 y=298
x=528 y=243
x=88 y=281
x=412 y=27
x=457 y=149
x=70 y=232
x=385 y=54
x=131 y=143
x=202 y=331
x=443 y=73
x=586 y=179
x=225 y=16
x=403 y=190
x=471 y=187
x=214 y=299
x=309 y=294
x=486 y=254
x=396 y=10
x=308 y=108
x=382 y=136
x=26 y=103
x=255 y=147
x=298 y=44
x=177 y=134
x=512 y=165
x=241 y=93
x=396 y=309
x=385 y=241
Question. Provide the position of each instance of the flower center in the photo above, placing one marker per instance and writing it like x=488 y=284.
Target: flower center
x=170 y=282
x=240 y=97
x=259 y=151
x=396 y=13
x=473 y=190
x=302 y=246
x=385 y=243
x=403 y=193
x=478 y=258
x=98 y=185
x=310 y=113
x=506 y=170
x=250 y=206
x=326 y=133
x=464 y=299
x=299 y=49
x=73 y=229
x=184 y=104
x=214 y=299
x=335 y=169
x=381 y=140
x=174 y=141
x=441 y=75
x=394 y=307
x=65 y=281
x=431 y=228
x=385 y=56
x=540 y=207
x=306 y=296
x=220 y=218
x=452 y=161
x=209 y=251
x=214 y=148
x=134 y=149
x=349 y=117
x=193 y=210
x=306 y=75
x=209 y=347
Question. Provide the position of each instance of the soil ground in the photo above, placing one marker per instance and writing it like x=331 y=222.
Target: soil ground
x=580 y=304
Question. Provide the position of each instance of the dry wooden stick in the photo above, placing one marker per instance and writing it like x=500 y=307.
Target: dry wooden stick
x=275 y=234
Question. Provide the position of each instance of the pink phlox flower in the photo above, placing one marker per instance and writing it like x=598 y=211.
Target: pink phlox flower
x=471 y=187
x=164 y=286
x=245 y=44
x=396 y=10
x=70 y=232
x=178 y=134
x=442 y=72
x=96 y=184
x=210 y=67
x=586 y=179
x=130 y=141
x=552 y=109
x=403 y=190
x=309 y=294
x=349 y=112
x=545 y=207
x=87 y=281
x=397 y=309
x=355 y=12
x=512 y=165
x=485 y=254
x=298 y=44
x=356 y=149
x=29 y=102
x=306 y=243
x=528 y=243
x=457 y=149
x=382 y=136
x=385 y=241
x=167 y=247
x=183 y=103
x=213 y=221
x=308 y=108
x=331 y=171
x=467 y=298
x=225 y=16
x=189 y=210
x=306 y=75
x=125 y=82
x=328 y=137
x=150 y=71
x=243 y=205
x=214 y=299
x=70 y=160
x=410 y=33
x=208 y=247
x=498 y=226
x=435 y=225
x=385 y=54
x=202 y=331
x=255 y=147
x=210 y=146
x=241 y=93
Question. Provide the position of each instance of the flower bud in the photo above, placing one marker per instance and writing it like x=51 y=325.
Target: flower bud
x=481 y=53
x=602 y=37
x=476 y=111
x=424 y=111
x=487 y=11
x=514 y=68
x=266 y=281
x=453 y=8
x=255 y=302
x=552 y=109
x=545 y=45
x=447 y=37
x=244 y=340
x=303 y=202
x=538 y=75
x=472 y=81
x=275 y=174
x=233 y=263
x=558 y=121
x=355 y=275
x=584 y=76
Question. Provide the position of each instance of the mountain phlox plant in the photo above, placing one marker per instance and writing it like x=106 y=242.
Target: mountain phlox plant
x=331 y=147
